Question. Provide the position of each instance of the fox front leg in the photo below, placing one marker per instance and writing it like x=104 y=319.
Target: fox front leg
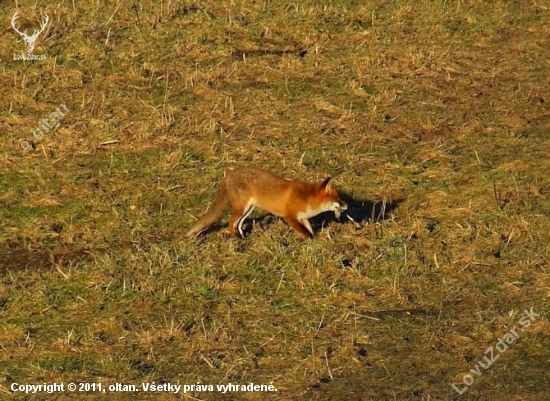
x=299 y=227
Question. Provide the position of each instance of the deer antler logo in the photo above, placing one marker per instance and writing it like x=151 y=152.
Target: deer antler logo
x=29 y=40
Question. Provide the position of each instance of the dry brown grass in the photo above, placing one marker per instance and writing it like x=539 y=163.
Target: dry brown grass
x=437 y=108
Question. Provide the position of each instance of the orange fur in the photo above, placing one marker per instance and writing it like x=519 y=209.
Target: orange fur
x=247 y=188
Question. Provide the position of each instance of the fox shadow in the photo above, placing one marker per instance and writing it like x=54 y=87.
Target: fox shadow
x=359 y=211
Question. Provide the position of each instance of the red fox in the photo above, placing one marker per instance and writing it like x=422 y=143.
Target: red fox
x=247 y=188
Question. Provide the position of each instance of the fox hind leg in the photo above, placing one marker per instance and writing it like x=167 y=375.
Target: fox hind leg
x=237 y=213
x=243 y=218
x=237 y=219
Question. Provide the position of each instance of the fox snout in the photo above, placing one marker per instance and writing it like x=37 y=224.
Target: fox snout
x=339 y=207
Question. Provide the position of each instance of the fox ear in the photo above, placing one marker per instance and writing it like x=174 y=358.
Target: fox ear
x=326 y=184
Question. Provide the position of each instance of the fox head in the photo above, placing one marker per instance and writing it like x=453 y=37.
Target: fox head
x=330 y=199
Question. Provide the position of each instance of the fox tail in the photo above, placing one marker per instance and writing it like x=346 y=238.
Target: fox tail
x=213 y=214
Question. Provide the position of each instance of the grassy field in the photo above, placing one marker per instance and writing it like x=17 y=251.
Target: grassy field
x=432 y=116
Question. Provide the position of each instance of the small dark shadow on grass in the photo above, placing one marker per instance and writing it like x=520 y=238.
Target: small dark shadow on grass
x=243 y=53
x=211 y=229
x=398 y=313
x=262 y=222
x=15 y=256
x=20 y=259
